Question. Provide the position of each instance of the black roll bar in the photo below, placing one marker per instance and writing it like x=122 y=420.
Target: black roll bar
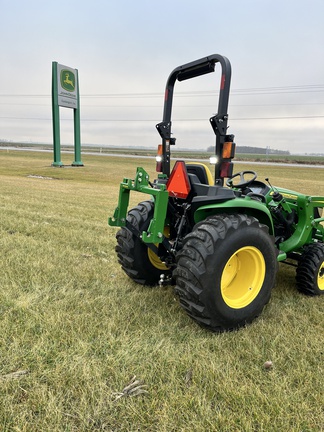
x=218 y=122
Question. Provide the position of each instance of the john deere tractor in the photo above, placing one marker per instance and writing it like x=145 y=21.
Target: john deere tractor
x=218 y=238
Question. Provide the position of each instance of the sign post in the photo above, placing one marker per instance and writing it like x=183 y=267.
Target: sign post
x=65 y=93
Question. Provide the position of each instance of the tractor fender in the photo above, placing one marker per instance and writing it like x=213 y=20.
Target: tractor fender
x=246 y=206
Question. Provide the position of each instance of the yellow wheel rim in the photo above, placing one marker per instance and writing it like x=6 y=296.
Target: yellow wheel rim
x=320 y=277
x=243 y=277
x=154 y=259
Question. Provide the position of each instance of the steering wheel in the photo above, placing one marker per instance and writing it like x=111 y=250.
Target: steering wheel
x=243 y=182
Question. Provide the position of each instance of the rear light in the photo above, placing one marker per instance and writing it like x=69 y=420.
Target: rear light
x=178 y=184
x=213 y=160
x=228 y=150
x=227 y=154
x=159 y=158
x=226 y=169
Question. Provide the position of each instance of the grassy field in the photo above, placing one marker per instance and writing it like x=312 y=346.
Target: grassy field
x=75 y=331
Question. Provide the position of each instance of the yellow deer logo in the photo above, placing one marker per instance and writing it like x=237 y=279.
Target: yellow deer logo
x=67 y=80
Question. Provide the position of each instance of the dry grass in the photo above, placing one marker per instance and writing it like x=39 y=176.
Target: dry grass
x=80 y=330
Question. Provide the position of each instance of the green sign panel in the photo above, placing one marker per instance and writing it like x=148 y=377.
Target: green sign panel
x=68 y=80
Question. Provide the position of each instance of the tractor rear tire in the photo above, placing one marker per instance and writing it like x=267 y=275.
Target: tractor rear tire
x=225 y=271
x=137 y=260
x=310 y=270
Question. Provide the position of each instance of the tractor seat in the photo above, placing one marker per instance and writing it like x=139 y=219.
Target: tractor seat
x=201 y=180
x=203 y=191
x=201 y=171
x=210 y=195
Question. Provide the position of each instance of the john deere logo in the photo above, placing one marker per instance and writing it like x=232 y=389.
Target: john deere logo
x=68 y=80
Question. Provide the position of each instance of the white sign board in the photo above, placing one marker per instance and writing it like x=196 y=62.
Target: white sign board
x=67 y=83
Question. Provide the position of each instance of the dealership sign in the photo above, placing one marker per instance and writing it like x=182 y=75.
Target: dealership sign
x=65 y=93
x=67 y=86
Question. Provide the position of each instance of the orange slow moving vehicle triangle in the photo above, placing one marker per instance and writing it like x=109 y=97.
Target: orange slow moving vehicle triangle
x=178 y=184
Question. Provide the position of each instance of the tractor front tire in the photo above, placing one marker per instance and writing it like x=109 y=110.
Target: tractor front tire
x=138 y=261
x=310 y=270
x=225 y=271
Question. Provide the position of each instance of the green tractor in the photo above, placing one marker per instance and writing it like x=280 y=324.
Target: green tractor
x=219 y=244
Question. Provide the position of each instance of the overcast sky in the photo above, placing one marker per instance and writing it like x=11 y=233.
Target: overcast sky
x=124 y=51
